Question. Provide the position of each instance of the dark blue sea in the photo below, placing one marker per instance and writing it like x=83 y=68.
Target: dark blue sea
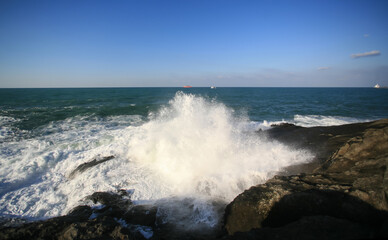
x=196 y=144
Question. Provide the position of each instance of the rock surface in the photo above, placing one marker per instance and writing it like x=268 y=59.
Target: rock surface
x=116 y=219
x=350 y=188
x=85 y=166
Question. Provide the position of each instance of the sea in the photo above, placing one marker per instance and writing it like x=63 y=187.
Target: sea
x=187 y=151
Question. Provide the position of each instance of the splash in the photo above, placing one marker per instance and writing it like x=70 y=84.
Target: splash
x=194 y=150
x=197 y=146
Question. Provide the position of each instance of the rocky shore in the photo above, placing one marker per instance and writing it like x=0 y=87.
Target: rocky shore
x=342 y=194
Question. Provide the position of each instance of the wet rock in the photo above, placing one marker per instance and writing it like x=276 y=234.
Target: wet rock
x=110 y=199
x=322 y=141
x=350 y=186
x=85 y=166
x=310 y=227
x=103 y=228
x=48 y=229
x=141 y=215
x=118 y=219
x=81 y=212
x=11 y=221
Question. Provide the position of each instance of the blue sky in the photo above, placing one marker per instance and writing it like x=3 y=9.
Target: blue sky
x=201 y=43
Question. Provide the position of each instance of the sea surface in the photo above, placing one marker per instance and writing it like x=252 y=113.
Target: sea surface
x=182 y=150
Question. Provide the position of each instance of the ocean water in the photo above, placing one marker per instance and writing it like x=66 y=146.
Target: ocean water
x=181 y=149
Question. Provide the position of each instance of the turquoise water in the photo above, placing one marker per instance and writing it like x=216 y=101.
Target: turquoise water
x=180 y=149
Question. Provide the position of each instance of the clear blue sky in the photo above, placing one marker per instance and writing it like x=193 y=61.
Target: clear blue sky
x=201 y=43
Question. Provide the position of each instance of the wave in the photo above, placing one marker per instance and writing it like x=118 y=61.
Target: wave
x=309 y=121
x=7 y=129
x=194 y=149
x=319 y=120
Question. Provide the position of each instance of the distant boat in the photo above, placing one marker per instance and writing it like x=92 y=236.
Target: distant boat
x=187 y=86
x=213 y=87
x=380 y=87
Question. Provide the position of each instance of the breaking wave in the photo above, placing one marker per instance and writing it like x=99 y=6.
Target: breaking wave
x=194 y=151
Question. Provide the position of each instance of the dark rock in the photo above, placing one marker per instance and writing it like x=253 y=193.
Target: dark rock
x=313 y=202
x=81 y=212
x=110 y=199
x=351 y=185
x=85 y=166
x=322 y=141
x=48 y=229
x=114 y=221
x=306 y=228
x=115 y=205
x=141 y=215
x=11 y=221
x=384 y=230
x=104 y=228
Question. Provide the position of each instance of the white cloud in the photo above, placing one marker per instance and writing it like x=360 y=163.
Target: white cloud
x=323 y=68
x=366 y=54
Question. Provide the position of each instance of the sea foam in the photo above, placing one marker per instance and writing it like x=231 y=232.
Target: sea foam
x=191 y=153
x=319 y=120
x=197 y=146
x=309 y=121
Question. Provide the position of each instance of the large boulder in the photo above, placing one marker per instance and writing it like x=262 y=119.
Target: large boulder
x=350 y=186
x=307 y=228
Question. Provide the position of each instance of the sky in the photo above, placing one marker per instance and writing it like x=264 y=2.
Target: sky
x=141 y=43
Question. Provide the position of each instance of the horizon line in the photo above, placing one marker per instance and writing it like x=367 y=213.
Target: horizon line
x=168 y=87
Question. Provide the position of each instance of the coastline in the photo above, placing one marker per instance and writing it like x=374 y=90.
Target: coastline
x=343 y=197
x=350 y=168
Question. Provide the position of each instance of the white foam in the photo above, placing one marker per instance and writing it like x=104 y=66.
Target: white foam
x=319 y=120
x=268 y=124
x=7 y=130
x=193 y=148
x=6 y=120
x=308 y=121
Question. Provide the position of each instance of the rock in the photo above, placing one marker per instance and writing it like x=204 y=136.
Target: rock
x=85 y=166
x=118 y=219
x=306 y=228
x=110 y=199
x=81 y=212
x=48 y=229
x=322 y=141
x=350 y=186
x=104 y=228
x=11 y=221
x=141 y=215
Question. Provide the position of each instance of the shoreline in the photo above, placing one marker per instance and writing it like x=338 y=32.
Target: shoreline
x=331 y=176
